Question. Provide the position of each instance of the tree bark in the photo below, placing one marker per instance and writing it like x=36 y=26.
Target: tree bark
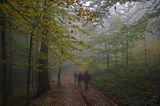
x=108 y=59
x=4 y=57
x=107 y=55
x=127 y=51
x=29 y=69
x=43 y=77
x=115 y=47
x=59 y=74
x=43 y=83
x=10 y=62
x=145 y=50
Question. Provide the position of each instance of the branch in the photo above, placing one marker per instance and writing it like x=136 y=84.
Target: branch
x=18 y=11
x=154 y=34
x=24 y=17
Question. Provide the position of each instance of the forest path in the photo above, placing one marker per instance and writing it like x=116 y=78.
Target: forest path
x=74 y=96
x=71 y=95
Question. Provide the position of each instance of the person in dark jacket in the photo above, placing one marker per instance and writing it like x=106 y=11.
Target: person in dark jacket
x=75 y=77
x=79 y=78
x=86 y=79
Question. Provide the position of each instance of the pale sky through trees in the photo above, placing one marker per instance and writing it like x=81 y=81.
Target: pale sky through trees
x=133 y=11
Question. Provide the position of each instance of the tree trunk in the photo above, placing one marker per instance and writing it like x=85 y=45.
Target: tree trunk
x=43 y=77
x=127 y=51
x=29 y=69
x=4 y=58
x=145 y=50
x=108 y=59
x=10 y=71
x=60 y=66
x=10 y=62
x=115 y=47
x=107 y=55
x=59 y=75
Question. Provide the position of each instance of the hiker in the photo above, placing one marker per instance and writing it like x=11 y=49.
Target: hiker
x=86 y=79
x=75 y=77
x=79 y=79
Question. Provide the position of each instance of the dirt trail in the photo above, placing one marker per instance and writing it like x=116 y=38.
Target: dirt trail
x=74 y=96
x=71 y=95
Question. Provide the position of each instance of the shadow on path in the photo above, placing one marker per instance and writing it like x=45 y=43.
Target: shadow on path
x=71 y=95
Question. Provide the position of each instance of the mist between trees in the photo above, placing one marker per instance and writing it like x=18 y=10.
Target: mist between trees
x=117 y=41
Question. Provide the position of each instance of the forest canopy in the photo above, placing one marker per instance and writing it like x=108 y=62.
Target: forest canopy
x=117 y=41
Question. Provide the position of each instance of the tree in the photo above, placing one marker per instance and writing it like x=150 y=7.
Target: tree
x=4 y=57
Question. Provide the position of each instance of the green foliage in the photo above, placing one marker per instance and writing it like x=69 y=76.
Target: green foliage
x=136 y=86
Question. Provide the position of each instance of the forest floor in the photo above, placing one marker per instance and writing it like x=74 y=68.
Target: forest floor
x=70 y=95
